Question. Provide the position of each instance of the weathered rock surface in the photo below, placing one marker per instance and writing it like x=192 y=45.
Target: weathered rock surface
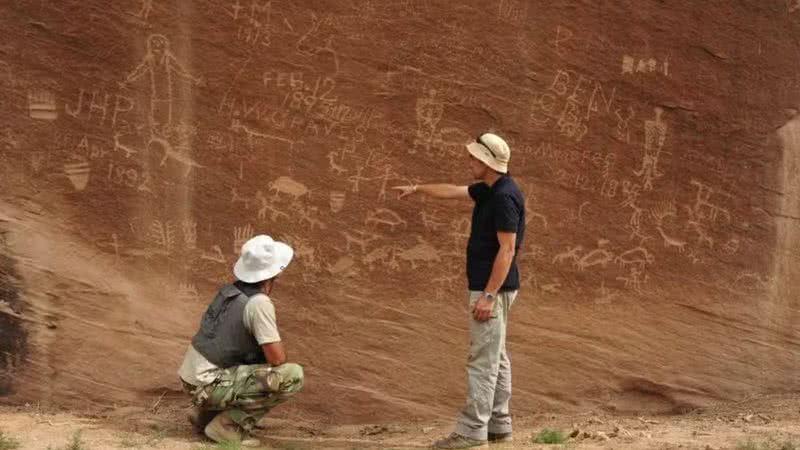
x=658 y=144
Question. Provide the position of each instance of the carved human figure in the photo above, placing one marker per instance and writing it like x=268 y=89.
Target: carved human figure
x=160 y=64
x=655 y=133
x=429 y=114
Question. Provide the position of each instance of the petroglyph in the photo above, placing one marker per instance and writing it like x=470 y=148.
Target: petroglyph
x=638 y=257
x=630 y=66
x=215 y=255
x=659 y=213
x=99 y=106
x=344 y=267
x=429 y=113
x=513 y=11
x=180 y=155
x=119 y=146
x=187 y=292
x=253 y=22
x=384 y=216
x=241 y=235
x=334 y=165
x=605 y=295
x=42 y=105
x=632 y=192
x=731 y=247
x=265 y=207
x=163 y=234
x=635 y=279
x=159 y=63
x=358 y=238
x=309 y=216
x=237 y=198
x=748 y=281
x=252 y=135
x=189 y=232
x=78 y=173
x=655 y=132
x=337 y=201
x=572 y=253
x=623 y=129
x=381 y=256
x=145 y=9
x=670 y=242
x=704 y=210
x=429 y=221
x=563 y=35
x=317 y=41
x=421 y=252
x=288 y=186
x=597 y=257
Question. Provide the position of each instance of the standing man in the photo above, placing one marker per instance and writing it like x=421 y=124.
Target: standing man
x=235 y=368
x=498 y=226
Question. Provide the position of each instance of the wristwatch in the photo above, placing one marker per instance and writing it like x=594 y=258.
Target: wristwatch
x=490 y=296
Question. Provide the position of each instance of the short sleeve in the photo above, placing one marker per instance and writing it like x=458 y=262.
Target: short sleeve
x=478 y=191
x=259 y=319
x=506 y=213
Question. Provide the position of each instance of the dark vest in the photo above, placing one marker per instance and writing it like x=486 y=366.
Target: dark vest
x=222 y=338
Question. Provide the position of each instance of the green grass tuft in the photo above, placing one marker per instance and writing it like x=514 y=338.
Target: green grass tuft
x=7 y=442
x=74 y=444
x=550 y=437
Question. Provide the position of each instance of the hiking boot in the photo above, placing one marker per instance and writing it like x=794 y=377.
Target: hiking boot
x=200 y=417
x=497 y=438
x=223 y=429
x=456 y=440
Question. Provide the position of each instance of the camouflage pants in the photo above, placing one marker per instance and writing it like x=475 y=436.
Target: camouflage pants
x=248 y=392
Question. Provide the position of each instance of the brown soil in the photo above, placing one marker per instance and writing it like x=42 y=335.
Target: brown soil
x=771 y=421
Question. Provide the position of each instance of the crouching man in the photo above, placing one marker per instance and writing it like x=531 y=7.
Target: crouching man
x=235 y=369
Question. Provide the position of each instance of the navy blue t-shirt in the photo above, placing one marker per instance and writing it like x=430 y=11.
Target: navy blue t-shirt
x=500 y=207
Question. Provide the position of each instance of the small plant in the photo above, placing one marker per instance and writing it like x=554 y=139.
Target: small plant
x=129 y=440
x=547 y=436
x=227 y=445
x=768 y=445
x=8 y=443
x=749 y=445
x=788 y=445
x=74 y=444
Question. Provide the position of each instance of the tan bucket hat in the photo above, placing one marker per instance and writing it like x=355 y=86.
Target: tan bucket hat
x=492 y=150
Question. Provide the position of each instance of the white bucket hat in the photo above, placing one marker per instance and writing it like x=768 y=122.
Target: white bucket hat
x=492 y=150
x=262 y=258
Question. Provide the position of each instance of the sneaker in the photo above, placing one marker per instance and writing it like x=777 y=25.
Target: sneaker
x=200 y=417
x=497 y=438
x=456 y=440
x=223 y=429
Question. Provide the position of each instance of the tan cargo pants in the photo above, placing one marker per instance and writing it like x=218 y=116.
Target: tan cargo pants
x=488 y=372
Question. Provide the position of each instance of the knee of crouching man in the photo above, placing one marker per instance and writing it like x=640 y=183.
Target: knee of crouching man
x=294 y=376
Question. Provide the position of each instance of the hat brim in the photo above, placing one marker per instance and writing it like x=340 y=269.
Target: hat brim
x=483 y=155
x=283 y=256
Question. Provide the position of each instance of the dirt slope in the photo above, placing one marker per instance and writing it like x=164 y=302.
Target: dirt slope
x=657 y=143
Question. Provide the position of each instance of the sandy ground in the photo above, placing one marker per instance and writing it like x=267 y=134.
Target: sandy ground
x=764 y=423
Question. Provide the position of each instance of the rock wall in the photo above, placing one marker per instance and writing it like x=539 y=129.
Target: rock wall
x=657 y=144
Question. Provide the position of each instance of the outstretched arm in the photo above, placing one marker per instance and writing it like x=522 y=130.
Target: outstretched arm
x=435 y=190
x=141 y=69
x=176 y=67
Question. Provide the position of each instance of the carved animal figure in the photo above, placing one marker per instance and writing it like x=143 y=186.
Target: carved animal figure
x=386 y=217
x=423 y=252
x=286 y=185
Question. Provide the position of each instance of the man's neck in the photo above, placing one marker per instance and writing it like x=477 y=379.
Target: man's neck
x=491 y=178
